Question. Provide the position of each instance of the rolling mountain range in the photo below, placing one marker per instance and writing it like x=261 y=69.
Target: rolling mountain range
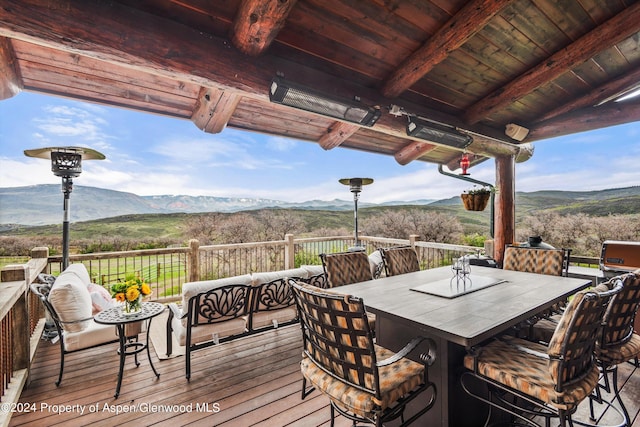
x=42 y=204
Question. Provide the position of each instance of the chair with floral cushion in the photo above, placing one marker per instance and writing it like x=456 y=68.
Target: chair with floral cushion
x=344 y=268
x=543 y=381
x=364 y=381
x=400 y=260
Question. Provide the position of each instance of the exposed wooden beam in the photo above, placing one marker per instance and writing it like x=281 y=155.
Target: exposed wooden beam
x=412 y=151
x=616 y=29
x=213 y=109
x=258 y=22
x=611 y=114
x=337 y=134
x=10 y=81
x=606 y=92
x=456 y=32
x=158 y=46
x=153 y=45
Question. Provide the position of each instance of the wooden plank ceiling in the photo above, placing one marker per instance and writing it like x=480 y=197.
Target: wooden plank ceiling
x=551 y=67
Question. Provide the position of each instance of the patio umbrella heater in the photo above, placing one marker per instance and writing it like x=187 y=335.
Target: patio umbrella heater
x=355 y=186
x=66 y=162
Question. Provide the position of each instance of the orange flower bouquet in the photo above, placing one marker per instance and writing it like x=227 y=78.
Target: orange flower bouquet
x=130 y=292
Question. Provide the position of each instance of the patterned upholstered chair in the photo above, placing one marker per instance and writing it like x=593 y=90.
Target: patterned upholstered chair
x=364 y=382
x=554 y=262
x=400 y=260
x=344 y=268
x=547 y=381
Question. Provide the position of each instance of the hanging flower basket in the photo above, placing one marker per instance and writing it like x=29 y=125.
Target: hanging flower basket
x=476 y=200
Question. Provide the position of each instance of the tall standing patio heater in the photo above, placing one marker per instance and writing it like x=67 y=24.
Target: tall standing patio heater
x=355 y=186
x=66 y=162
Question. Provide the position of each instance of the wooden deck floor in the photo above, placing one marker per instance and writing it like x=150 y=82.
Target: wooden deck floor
x=254 y=381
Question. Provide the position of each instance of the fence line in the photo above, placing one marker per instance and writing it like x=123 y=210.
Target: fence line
x=167 y=269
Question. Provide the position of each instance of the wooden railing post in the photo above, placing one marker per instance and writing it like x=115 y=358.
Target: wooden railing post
x=412 y=239
x=18 y=335
x=19 y=324
x=193 y=261
x=289 y=251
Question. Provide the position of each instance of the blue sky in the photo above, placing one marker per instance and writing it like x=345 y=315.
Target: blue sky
x=153 y=155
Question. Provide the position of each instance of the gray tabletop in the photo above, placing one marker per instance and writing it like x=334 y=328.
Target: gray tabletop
x=470 y=318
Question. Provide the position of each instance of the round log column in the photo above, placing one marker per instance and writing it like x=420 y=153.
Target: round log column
x=504 y=218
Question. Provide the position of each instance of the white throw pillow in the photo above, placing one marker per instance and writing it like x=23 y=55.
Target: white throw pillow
x=71 y=299
x=100 y=298
x=81 y=271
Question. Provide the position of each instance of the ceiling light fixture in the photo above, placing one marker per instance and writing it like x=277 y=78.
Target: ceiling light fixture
x=297 y=96
x=436 y=132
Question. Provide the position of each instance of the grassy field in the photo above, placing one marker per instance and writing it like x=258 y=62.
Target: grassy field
x=173 y=226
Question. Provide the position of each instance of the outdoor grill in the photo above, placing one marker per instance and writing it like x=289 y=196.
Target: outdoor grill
x=619 y=258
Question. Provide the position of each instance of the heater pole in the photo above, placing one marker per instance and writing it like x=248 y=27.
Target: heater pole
x=67 y=187
x=355 y=217
x=355 y=186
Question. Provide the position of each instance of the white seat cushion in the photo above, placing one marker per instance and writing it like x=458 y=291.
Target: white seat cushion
x=313 y=270
x=269 y=276
x=265 y=318
x=203 y=333
x=93 y=334
x=191 y=289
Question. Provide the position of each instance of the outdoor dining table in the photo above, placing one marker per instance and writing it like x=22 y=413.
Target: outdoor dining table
x=456 y=315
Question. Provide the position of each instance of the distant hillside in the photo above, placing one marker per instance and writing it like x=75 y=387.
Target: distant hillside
x=42 y=204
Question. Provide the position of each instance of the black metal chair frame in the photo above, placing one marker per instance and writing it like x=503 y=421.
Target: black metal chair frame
x=270 y=296
x=592 y=307
x=313 y=311
x=214 y=306
x=622 y=305
x=41 y=290
x=317 y=280
x=390 y=269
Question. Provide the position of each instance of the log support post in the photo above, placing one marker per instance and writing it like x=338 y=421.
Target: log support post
x=504 y=205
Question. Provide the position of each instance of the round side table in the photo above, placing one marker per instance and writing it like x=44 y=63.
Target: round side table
x=115 y=316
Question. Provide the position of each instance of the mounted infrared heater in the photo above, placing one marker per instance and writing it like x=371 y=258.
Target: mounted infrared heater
x=435 y=132
x=297 y=96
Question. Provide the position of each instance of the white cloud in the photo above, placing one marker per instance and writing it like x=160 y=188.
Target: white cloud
x=281 y=144
x=19 y=173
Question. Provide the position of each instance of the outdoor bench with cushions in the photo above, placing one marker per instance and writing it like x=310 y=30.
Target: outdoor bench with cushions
x=215 y=311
